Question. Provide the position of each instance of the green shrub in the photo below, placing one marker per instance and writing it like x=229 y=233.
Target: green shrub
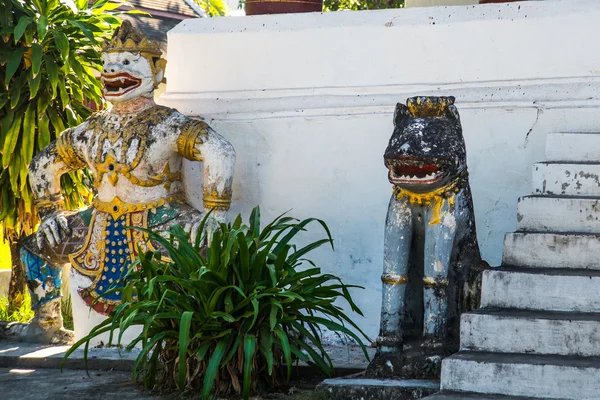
x=232 y=317
x=22 y=314
x=25 y=314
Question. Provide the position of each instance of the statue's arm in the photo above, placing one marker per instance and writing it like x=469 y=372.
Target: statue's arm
x=199 y=142
x=45 y=170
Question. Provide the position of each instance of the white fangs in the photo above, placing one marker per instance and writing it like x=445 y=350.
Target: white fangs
x=427 y=177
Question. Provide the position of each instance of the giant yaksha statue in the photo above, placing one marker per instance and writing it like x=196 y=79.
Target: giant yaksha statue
x=134 y=151
x=431 y=255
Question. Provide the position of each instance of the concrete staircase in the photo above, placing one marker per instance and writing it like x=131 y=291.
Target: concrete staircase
x=537 y=334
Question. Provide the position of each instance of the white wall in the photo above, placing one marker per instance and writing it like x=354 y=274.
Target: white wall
x=307 y=101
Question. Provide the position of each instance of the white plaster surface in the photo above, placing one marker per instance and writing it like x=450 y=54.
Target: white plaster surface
x=548 y=378
x=538 y=333
x=573 y=146
x=551 y=250
x=569 y=179
x=562 y=214
x=307 y=101
x=537 y=289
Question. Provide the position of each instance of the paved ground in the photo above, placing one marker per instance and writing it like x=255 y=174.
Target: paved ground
x=32 y=372
x=52 y=384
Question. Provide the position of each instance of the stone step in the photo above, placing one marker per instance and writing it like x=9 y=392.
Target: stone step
x=531 y=332
x=447 y=395
x=537 y=376
x=571 y=179
x=552 y=250
x=550 y=289
x=574 y=146
x=558 y=214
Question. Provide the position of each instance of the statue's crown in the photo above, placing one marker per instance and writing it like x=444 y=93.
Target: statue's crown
x=429 y=106
x=129 y=38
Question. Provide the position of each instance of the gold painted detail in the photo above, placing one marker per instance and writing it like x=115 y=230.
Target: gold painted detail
x=91 y=258
x=67 y=153
x=134 y=133
x=117 y=207
x=394 y=279
x=215 y=200
x=429 y=107
x=431 y=282
x=193 y=134
x=49 y=204
x=436 y=198
x=129 y=38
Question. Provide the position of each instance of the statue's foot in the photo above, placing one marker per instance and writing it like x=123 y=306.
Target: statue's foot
x=34 y=332
x=63 y=336
x=389 y=344
x=386 y=364
x=432 y=344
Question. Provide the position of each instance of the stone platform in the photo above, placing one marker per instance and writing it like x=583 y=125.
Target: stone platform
x=358 y=387
x=346 y=359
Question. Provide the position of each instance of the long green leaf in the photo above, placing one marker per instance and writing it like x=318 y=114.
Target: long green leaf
x=42 y=26
x=12 y=136
x=21 y=27
x=36 y=59
x=184 y=341
x=28 y=140
x=249 y=349
x=62 y=43
x=213 y=368
x=13 y=64
x=52 y=70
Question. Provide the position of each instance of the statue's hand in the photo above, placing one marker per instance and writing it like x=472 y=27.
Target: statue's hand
x=54 y=228
x=212 y=224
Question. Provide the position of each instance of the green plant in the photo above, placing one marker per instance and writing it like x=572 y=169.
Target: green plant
x=67 y=311
x=48 y=55
x=22 y=314
x=213 y=8
x=25 y=314
x=336 y=5
x=233 y=316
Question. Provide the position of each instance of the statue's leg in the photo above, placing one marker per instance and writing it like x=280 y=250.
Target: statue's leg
x=439 y=243
x=44 y=281
x=44 y=266
x=397 y=241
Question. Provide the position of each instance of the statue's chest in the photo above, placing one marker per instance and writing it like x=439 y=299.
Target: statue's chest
x=127 y=147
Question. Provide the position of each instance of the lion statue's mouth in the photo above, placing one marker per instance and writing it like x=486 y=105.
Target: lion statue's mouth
x=409 y=171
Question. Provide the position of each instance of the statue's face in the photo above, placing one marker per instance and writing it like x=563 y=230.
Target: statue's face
x=127 y=75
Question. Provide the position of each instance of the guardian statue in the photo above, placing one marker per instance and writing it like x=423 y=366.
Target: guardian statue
x=134 y=152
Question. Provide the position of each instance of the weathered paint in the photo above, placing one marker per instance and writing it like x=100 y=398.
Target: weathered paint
x=134 y=152
x=430 y=218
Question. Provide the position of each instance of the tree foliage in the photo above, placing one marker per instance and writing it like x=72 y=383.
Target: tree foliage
x=338 y=5
x=49 y=51
x=214 y=8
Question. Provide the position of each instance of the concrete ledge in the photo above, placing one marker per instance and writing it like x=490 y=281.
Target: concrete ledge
x=446 y=395
x=541 y=289
x=573 y=146
x=552 y=250
x=558 y=214
x=540 y=377
x=377 y=389
x=566 y=178
x=539 y=332
x=27 y=355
